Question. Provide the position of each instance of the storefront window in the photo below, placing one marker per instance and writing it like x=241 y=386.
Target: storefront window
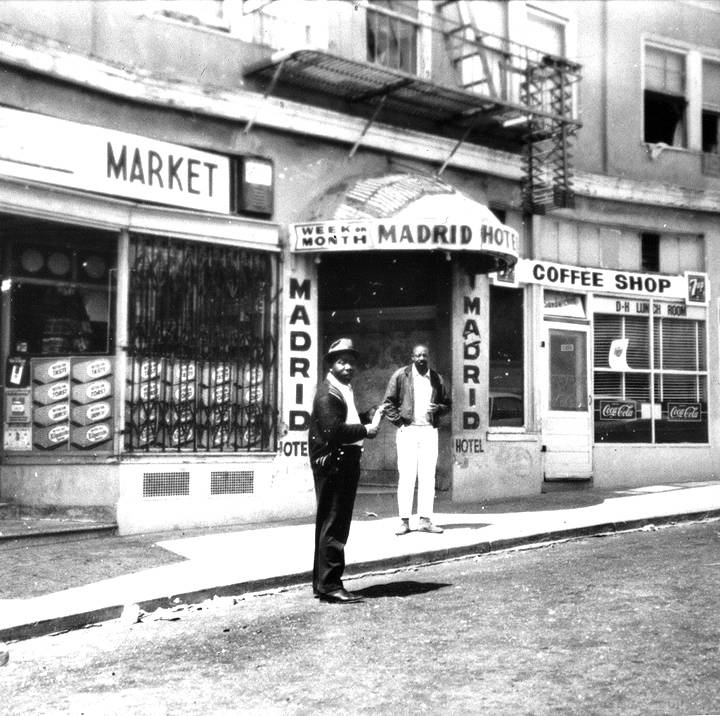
x=506 y=358
x=202 y=348
x=59 y=293
x=650 y=373
x=60 y=298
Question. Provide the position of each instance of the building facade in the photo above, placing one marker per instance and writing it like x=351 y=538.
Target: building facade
x=196 y=198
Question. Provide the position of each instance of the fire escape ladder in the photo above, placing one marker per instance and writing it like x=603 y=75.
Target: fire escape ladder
x=549 y=96
x=466 y=47
x=465 y=43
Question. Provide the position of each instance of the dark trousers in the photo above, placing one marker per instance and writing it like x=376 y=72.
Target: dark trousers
x=335 y=496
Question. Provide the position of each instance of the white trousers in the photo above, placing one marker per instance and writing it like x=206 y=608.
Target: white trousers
x=417 y=452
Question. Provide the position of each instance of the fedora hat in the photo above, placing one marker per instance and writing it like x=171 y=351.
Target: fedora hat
x=341 y=345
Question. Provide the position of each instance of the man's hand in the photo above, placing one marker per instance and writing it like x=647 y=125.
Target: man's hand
x=374 y=426
x=372 y=430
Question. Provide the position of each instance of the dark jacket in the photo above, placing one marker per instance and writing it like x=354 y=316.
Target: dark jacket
x=399 y=400
x=328 y=431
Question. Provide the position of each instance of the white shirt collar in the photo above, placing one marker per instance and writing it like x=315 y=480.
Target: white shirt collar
x=342 y=387
x=347 y=393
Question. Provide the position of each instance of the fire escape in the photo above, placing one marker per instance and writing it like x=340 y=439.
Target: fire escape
x=542 y=86
x=503 y=94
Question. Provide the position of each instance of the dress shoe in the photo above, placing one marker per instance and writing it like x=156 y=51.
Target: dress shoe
x=427 y=526
x=339 y=596
x=404 y=528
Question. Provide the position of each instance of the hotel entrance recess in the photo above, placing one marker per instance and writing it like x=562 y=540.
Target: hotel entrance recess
x=387 y=304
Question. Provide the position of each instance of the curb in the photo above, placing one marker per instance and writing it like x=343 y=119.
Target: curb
x=70 y=622
x=60 y=534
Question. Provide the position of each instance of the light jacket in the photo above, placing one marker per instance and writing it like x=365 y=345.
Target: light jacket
x=399 y=401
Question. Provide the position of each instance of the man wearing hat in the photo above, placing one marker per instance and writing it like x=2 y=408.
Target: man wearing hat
x=335 y=439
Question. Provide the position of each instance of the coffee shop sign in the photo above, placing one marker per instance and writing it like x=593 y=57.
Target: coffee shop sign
x=485 y=236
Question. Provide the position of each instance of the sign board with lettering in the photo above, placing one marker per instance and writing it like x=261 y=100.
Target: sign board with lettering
x=483 y=236
x=617 y=409
x=80 y=156
x=66 y=407
x=684 y=412
x=300 y=358
x=691 y=288
x=645 y=307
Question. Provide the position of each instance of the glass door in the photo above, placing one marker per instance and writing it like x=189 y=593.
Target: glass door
x=567 y=426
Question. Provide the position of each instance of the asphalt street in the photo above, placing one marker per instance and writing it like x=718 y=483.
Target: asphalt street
x=619 y=624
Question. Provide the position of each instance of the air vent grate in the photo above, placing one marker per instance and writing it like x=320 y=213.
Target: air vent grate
x=232 y=483
x=166 y=484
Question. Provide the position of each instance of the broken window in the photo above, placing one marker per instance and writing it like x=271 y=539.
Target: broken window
x=665 y=101
x=711 y=106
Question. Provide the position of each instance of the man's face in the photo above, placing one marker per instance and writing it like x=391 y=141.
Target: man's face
x=420 y=358
x=343 y=367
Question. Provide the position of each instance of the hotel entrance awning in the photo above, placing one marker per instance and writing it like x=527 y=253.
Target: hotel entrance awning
x=407 y=212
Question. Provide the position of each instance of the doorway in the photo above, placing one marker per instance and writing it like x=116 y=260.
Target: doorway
x=566 y=423
x=387 y=302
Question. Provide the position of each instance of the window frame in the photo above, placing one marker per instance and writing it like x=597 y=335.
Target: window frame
x=546 y=17
x=521 y=296
x=373 y=9
x=709 y=109
x=695 y=105
x=670 y=97
x=655 y=395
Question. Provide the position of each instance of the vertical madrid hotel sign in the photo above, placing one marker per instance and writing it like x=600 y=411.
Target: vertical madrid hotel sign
x=79 y=156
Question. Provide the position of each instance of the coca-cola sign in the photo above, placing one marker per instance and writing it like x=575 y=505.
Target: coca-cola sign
x=617 y=410
x=684 y=412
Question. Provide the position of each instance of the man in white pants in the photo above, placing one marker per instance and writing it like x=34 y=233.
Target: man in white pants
x=415 y=398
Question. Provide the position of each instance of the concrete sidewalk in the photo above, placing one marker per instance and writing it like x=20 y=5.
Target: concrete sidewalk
x=250 y=558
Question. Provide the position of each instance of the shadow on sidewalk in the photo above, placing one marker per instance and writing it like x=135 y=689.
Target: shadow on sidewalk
x=404 y=588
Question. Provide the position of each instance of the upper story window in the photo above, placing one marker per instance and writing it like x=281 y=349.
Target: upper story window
x=549 y=33
x=665 y=102
x=710 y=106
x=392 y=34
x=650 y=252
x=546 y=32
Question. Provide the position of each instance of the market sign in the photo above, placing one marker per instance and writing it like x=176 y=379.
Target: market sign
x=90 y=158
x=483 y=236
x=691 y=287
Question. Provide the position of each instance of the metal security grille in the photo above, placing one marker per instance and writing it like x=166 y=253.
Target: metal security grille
x=166 y=484
x=202 y=352
x=232 y=483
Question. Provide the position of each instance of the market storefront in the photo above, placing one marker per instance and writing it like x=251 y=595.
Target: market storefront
x=139 y=322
